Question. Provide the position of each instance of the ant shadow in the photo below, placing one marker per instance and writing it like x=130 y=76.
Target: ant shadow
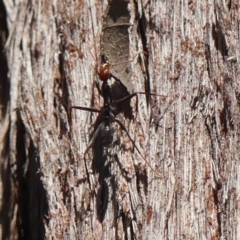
x=119 y=91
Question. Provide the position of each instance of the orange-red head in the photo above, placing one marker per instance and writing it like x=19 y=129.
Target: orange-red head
x=104 y=72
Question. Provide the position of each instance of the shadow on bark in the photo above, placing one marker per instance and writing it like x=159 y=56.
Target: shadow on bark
x=24 y=197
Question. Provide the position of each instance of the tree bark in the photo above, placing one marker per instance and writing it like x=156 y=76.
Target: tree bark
x=186 y=183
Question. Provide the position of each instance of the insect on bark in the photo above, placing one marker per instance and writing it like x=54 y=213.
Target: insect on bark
x=109 y=110
x=114 y=43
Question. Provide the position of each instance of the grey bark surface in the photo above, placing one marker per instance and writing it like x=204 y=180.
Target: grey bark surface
x=186 y=186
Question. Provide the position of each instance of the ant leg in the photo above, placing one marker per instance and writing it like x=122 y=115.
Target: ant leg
x=131 y=60
x=92 y=139
x=86 y=109
x=124 y=99
x=135 y=146
x=95 y=133
x=127 y=98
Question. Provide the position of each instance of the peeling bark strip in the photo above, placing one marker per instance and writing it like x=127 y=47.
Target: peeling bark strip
x=115 y=40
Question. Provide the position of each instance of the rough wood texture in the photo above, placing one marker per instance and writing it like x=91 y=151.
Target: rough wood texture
x=189 y=135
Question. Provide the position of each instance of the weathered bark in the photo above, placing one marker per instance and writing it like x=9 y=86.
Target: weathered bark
x=189 y=135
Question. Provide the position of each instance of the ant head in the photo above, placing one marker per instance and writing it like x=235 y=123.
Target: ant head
x=104 y=69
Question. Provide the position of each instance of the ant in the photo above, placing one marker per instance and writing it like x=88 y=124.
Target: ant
x=109 y=111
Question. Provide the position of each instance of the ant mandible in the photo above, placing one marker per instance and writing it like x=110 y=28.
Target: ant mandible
x=105 y=128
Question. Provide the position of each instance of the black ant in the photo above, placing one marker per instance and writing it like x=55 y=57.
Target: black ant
x=109 y=111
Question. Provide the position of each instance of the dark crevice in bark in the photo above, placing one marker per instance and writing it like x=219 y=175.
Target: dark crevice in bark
x=6 y=211
x=219 y=38
x=217 y=192
x=31 y=195
x=4 y=81
x=60 y=85
x=142 y=25
x=211 y=126
x=208 y=60
x=141 y=181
